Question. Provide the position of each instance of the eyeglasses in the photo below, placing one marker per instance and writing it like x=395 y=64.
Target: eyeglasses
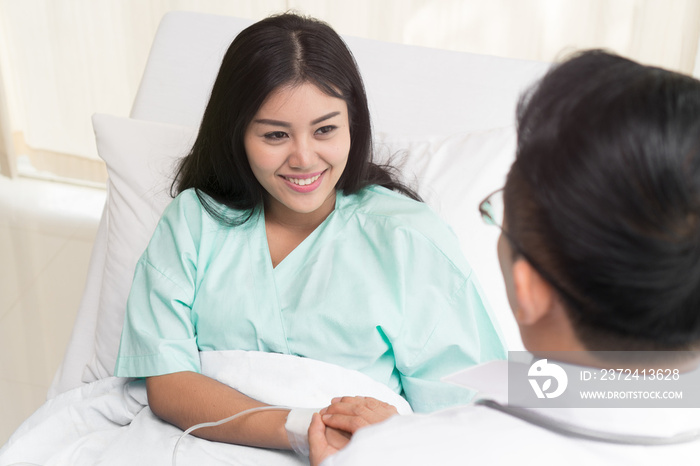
x=492 y=211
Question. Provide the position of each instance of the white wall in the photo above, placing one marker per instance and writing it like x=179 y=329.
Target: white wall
x=63 y=60
x=46 y=235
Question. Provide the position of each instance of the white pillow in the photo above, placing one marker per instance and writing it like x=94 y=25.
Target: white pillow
x=453 y=175
x=141 y=158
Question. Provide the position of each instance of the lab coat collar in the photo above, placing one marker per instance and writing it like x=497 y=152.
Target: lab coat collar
x=490 y=380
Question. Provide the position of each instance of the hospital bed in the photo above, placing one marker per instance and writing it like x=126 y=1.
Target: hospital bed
x=445 y=117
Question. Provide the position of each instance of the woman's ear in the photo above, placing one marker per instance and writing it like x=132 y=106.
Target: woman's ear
x=534 y=295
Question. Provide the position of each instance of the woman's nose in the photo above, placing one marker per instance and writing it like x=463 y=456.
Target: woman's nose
x=303 y=154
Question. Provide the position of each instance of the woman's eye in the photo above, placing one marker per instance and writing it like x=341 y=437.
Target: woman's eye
x=325 y=129
x=275 y=135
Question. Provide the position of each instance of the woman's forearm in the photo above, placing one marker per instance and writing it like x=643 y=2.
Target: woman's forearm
x=185 y=399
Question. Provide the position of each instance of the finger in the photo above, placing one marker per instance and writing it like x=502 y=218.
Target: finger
x=373 y=403
x=348 y=399
x=317 y=432
x=364 y=408
x=344 y=422
x=341 y=408
x=337 y=439
x=342 y=404
x=359 y=400
x=318 y=444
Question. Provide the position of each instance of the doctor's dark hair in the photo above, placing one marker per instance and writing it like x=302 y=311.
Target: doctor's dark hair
x=282 y=50
x=605 y=194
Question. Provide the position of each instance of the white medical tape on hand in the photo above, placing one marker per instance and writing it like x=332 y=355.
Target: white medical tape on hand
x=297 y=426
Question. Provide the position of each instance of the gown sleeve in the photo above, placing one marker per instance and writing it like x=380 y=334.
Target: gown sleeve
x=159 y=335
x=447 y=326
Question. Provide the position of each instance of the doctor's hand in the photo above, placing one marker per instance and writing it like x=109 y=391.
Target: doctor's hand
x=324 y=441
x=351 y=413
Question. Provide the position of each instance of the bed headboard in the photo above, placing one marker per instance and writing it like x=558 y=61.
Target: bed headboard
x=413 y=91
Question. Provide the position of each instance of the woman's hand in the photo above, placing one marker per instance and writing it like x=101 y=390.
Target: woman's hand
x=351 y=413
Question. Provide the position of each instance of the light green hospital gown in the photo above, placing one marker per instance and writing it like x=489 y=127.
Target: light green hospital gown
x=380 y=287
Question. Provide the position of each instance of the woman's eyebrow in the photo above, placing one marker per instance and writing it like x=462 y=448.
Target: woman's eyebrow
x=266 y=121
x=325 y=117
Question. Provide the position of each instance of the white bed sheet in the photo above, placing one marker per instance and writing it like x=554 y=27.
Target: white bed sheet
x=108 y=422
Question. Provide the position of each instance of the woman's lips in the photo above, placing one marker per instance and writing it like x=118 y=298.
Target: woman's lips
x=304 y=183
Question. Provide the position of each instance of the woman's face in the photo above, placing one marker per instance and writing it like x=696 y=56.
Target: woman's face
x=297 y=145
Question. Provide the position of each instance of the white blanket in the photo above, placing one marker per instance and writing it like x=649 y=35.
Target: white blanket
x=108 y=422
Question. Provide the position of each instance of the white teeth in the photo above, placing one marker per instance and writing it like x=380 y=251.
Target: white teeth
x=303 y=181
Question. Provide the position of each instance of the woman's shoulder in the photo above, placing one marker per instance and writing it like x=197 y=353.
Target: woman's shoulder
x=381 y=201
x=187 y=199
x=193 y=204
x=391 y=213
x=385 y=205
x=184 y=208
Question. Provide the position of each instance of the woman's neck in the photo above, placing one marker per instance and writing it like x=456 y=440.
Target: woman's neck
x=279 y=214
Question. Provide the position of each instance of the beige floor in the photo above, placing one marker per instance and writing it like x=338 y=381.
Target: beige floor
x=46 y=235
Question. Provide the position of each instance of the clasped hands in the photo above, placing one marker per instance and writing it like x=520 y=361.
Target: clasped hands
x=333 y=426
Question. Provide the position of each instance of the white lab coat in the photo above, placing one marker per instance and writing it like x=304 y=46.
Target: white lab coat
x=478 y=435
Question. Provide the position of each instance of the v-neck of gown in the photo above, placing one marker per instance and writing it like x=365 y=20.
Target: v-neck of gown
x=272 y=284
x=298 y=255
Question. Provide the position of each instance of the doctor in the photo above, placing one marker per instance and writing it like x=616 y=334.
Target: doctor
x=600 y=251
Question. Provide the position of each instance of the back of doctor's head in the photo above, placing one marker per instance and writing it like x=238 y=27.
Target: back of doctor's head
x=278 y=51
x=605 y=195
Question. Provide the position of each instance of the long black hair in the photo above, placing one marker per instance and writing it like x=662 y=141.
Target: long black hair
x=280 y=50
x=605 y=195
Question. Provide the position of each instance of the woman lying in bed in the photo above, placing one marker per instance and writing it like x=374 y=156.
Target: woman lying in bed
x=285 y=238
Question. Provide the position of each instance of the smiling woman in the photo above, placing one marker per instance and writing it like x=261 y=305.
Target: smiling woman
x=284 y=238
